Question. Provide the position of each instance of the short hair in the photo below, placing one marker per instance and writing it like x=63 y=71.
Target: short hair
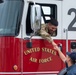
x=52 y=21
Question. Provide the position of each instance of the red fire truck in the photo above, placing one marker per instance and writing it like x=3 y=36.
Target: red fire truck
x=24 y=53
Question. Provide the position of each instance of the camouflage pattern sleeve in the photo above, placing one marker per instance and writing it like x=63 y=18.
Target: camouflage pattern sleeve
x=45 y=34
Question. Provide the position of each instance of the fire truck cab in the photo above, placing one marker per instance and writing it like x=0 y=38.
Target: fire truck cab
x=22 y=51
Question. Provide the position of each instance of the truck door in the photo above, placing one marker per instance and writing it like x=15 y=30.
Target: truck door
x=39 y=55
x=10 y=37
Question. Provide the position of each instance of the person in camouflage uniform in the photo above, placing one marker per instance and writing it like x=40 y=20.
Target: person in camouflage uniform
x=47 y=30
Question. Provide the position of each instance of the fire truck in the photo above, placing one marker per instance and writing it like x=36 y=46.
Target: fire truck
x=22 y=51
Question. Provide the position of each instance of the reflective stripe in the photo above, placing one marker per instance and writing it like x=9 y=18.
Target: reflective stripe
x=52 y=72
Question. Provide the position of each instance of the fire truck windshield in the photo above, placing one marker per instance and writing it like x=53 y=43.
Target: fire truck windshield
x=10 y=17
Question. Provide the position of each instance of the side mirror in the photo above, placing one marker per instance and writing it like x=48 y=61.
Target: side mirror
x=29 y=43
x=35 y=17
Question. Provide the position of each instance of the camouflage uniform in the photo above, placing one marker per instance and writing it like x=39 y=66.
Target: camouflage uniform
x=44 y=33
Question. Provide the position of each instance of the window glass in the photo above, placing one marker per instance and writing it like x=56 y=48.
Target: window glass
x=47 y=11
x=10 y=17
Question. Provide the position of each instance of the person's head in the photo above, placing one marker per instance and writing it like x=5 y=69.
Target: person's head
x=71 y=57
x=52 y=25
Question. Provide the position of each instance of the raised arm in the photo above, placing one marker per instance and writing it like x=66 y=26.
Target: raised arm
x=61 y=55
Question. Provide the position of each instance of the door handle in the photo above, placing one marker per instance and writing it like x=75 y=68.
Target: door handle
x=60 y=46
